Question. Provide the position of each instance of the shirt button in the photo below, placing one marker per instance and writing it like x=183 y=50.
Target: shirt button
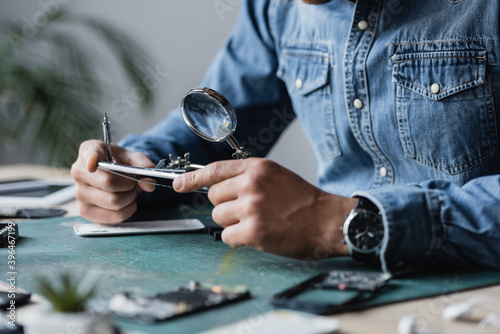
x=298 y=83
x=358 y=104
x=383 y=171
x=362 y=25
x=435 y=88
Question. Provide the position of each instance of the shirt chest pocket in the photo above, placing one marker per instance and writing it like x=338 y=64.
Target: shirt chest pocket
x=445 y=112
x=305 y=70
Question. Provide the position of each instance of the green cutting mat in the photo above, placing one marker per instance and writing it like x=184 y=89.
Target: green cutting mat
x=154 y=263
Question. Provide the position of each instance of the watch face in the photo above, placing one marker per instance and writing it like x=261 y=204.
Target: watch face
x=366 y=231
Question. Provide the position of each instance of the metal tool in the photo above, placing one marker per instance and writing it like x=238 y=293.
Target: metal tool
x=107 y=136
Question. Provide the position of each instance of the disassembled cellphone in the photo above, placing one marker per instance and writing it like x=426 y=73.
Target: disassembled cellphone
x=311 y=296
x=143 y=227
x=8 y=232
x=189 y=299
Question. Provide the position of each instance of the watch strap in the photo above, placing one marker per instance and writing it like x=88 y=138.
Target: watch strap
x=367 y=258
x=365 y=203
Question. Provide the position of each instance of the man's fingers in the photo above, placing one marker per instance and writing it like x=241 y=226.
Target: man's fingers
x=90 y=152
x=93 y=151
x=211 y=174
x=136 y=159
x=91 y=163
x=102 y=180
x=226 y=214
x=111 y=182
x=147 y=184
x=226 y=190
x=107 y=200
x=104 y=216
x=236 y=235
x=104 y=197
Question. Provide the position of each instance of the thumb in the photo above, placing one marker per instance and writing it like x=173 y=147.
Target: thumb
x=90 y=152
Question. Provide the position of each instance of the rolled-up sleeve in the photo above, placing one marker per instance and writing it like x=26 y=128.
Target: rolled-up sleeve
x=439 y=223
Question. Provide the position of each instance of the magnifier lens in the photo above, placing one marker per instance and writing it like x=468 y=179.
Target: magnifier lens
x=211 y=116
x=208 y=115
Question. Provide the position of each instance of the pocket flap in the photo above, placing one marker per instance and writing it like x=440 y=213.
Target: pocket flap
x=304 y=70
x=437 y=75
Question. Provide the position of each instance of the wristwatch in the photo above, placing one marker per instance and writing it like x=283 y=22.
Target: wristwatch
x=363 y=232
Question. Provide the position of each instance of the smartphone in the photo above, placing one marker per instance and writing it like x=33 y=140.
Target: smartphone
x=141 y=227
x=331 y=292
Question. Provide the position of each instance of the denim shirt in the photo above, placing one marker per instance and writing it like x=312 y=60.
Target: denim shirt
x=397 y=98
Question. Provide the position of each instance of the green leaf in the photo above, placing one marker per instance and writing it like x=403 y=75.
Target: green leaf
x=65 y=293
x=58 y=95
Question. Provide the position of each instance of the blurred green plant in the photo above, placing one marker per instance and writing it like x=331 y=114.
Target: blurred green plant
x=52 y=96
x=67 y=293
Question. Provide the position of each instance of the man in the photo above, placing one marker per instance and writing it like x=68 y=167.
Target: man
x=397 y=100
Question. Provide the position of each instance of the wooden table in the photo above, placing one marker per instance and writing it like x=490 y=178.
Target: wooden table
x=383 y=319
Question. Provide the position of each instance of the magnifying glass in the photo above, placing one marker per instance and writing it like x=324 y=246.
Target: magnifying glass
x=209 y=115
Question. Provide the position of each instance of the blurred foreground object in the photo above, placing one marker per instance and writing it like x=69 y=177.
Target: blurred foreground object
x=68 y=295
x=51 y=88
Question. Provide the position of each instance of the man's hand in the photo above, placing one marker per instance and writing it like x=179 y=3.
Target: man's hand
x=263 y=205
x=106 y=198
